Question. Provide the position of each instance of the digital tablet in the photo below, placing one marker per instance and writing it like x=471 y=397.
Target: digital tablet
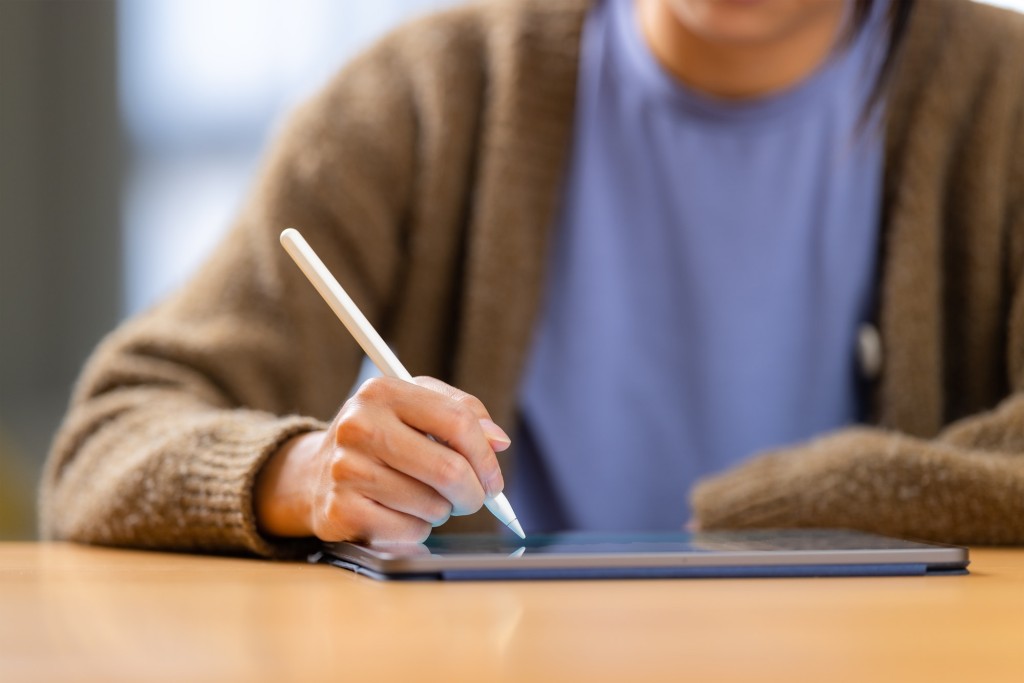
x=648 y=555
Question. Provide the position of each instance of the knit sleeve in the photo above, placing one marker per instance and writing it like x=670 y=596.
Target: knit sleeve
x=178 y=409
x=964 y=486
x=943 y=490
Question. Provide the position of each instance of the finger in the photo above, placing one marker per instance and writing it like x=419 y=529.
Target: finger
x=369 y=435
x=402 y=493
x=353 y=517
x=453 y=422
x=497 y=437
x=455 y=394
x=441 y=469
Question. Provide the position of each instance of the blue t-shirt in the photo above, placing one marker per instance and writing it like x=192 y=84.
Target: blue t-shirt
x=711 y=265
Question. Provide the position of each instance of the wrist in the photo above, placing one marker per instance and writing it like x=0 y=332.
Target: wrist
x=284 y=486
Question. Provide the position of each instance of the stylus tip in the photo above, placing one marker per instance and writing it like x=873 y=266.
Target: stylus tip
x=517 y=529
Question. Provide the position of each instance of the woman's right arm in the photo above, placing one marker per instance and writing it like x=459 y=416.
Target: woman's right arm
x=178 y=411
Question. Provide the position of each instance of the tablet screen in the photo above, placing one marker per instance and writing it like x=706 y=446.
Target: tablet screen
x=582 y=543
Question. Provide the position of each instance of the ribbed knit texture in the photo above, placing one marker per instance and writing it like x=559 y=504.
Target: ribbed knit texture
x=427 y=174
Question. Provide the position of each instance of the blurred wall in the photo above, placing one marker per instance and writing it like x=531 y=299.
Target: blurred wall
x=128 y=135
x=203 y=86
x=60 y=175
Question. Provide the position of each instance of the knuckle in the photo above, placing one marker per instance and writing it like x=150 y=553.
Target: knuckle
x=354 y=472
x=462 y=419
x=363 y=475
x=452 y=472
x=372 y=389
x=378 y=390
x=342 y=467
x=473 y=404
x=355 y=427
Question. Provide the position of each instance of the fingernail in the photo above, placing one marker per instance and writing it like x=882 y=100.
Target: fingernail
x=496 y=435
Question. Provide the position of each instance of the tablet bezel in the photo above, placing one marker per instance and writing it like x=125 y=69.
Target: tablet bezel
x=910 y=557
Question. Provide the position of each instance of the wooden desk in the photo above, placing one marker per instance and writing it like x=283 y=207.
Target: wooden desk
x=70 y=613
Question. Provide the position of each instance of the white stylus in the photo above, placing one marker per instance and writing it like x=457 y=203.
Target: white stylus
x=371 y=342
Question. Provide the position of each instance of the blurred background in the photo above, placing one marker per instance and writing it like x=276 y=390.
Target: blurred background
x=129 y=132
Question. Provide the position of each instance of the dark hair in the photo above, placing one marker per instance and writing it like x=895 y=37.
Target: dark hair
x=899 y=16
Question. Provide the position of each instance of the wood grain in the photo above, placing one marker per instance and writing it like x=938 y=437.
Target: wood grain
x=74 y=613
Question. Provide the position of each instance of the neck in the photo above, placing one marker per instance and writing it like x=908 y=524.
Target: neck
x=743 y=67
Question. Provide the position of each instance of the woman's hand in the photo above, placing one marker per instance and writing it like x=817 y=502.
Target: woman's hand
x=374 y=475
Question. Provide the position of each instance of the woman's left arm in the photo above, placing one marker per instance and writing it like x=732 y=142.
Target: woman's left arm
x=950 y=489
x=964 y=486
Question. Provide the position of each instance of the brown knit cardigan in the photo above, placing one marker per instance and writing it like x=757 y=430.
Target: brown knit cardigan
x=427 y=174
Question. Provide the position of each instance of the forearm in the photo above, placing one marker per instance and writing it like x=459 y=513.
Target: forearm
x=177 y=412
x=151 y=468
x=874 y=481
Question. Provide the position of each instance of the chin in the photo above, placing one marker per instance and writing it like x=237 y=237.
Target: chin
x=749 y=21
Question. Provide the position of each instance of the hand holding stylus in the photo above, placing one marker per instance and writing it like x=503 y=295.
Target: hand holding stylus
x=374 y=474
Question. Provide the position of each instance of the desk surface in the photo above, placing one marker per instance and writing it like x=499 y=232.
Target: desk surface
x=71 y=613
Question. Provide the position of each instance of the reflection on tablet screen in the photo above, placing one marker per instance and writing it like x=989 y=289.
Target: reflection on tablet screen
x=582 y=543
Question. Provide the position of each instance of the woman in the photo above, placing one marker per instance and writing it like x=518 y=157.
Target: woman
x=643 y=238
